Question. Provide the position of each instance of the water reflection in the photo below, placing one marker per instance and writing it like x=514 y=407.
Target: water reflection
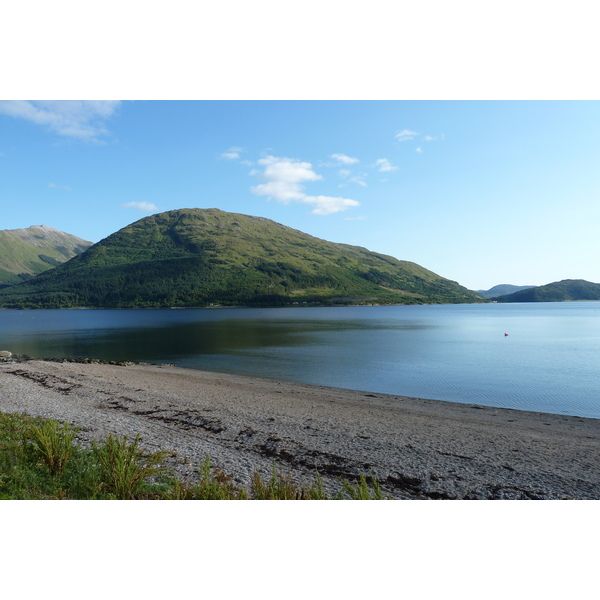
x=173 y=341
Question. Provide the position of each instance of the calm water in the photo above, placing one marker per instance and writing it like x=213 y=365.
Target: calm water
x=549 y=362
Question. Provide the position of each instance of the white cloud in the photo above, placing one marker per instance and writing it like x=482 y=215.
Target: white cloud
x=343 y=159
x=405 y=135
x=345 y=173
x=284 y=178
x=143 y=206
x=288 y=169
x=419 y=150
x=328 y=205
x=81 y=119
x=284 y=183
x=383 y=164
x=59 y=187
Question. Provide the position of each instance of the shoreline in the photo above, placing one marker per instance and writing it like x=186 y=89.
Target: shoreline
x=15 y=358
x=416 y=448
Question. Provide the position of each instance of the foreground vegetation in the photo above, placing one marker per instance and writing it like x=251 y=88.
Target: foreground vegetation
x=40 y=460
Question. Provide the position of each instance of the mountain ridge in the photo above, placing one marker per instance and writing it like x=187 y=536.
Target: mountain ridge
x=202 y=257
x=503 y=289
x=567 y=290
x=25 y=253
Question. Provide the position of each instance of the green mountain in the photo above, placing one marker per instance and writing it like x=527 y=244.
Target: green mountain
x=503 y=290
x=561 y=291
x=199 y=257
x=27 y=252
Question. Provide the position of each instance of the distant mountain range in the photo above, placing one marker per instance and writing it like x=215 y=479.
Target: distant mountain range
x=560 y=291
x=28 y=252
x=199 y=257
x=503 y=290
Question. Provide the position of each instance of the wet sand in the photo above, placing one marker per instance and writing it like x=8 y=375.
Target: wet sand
x=416 y=448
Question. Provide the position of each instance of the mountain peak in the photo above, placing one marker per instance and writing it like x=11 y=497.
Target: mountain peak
x=27 y=252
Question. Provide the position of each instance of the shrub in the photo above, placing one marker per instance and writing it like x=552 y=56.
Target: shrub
x=53 y=444
x=124 y=468
x=361 y=490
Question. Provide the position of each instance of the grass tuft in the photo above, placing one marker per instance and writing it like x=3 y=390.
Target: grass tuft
x=281 y=487
x=124 y=468
x=53 y=444
x=214 y=484
x=362 y=490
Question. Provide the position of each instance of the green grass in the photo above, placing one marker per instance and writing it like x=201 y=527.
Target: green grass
x=213 y=484
x=31 y=251
x=362 y=490
x=40 y=459
x=124 y=468
x=53 y=444
x=281 y=487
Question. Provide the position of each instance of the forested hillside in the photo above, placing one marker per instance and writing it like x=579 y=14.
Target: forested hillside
x=199 y=257
x=560 y=291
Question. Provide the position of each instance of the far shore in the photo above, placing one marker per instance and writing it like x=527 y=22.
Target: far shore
x=299 y=304
x=416 y=448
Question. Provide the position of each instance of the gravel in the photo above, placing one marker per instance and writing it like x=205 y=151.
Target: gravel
x=416 y=448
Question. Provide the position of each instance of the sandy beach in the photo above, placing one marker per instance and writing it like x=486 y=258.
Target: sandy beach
x=416 y=448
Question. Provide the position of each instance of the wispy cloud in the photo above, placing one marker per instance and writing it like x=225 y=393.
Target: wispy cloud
x=358 y=179
x=344 y=159
x=406 y=135
x=284 y=182
x=233 y=153
x=142 y=206
x=419 y=150
x=59 y=187
x=347 y=175
x=80 y=119
x=383 y=165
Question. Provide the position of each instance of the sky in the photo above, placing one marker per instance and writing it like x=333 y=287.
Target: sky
x=482 y=192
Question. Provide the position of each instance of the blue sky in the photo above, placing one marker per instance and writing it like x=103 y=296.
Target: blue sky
x=481 y=192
